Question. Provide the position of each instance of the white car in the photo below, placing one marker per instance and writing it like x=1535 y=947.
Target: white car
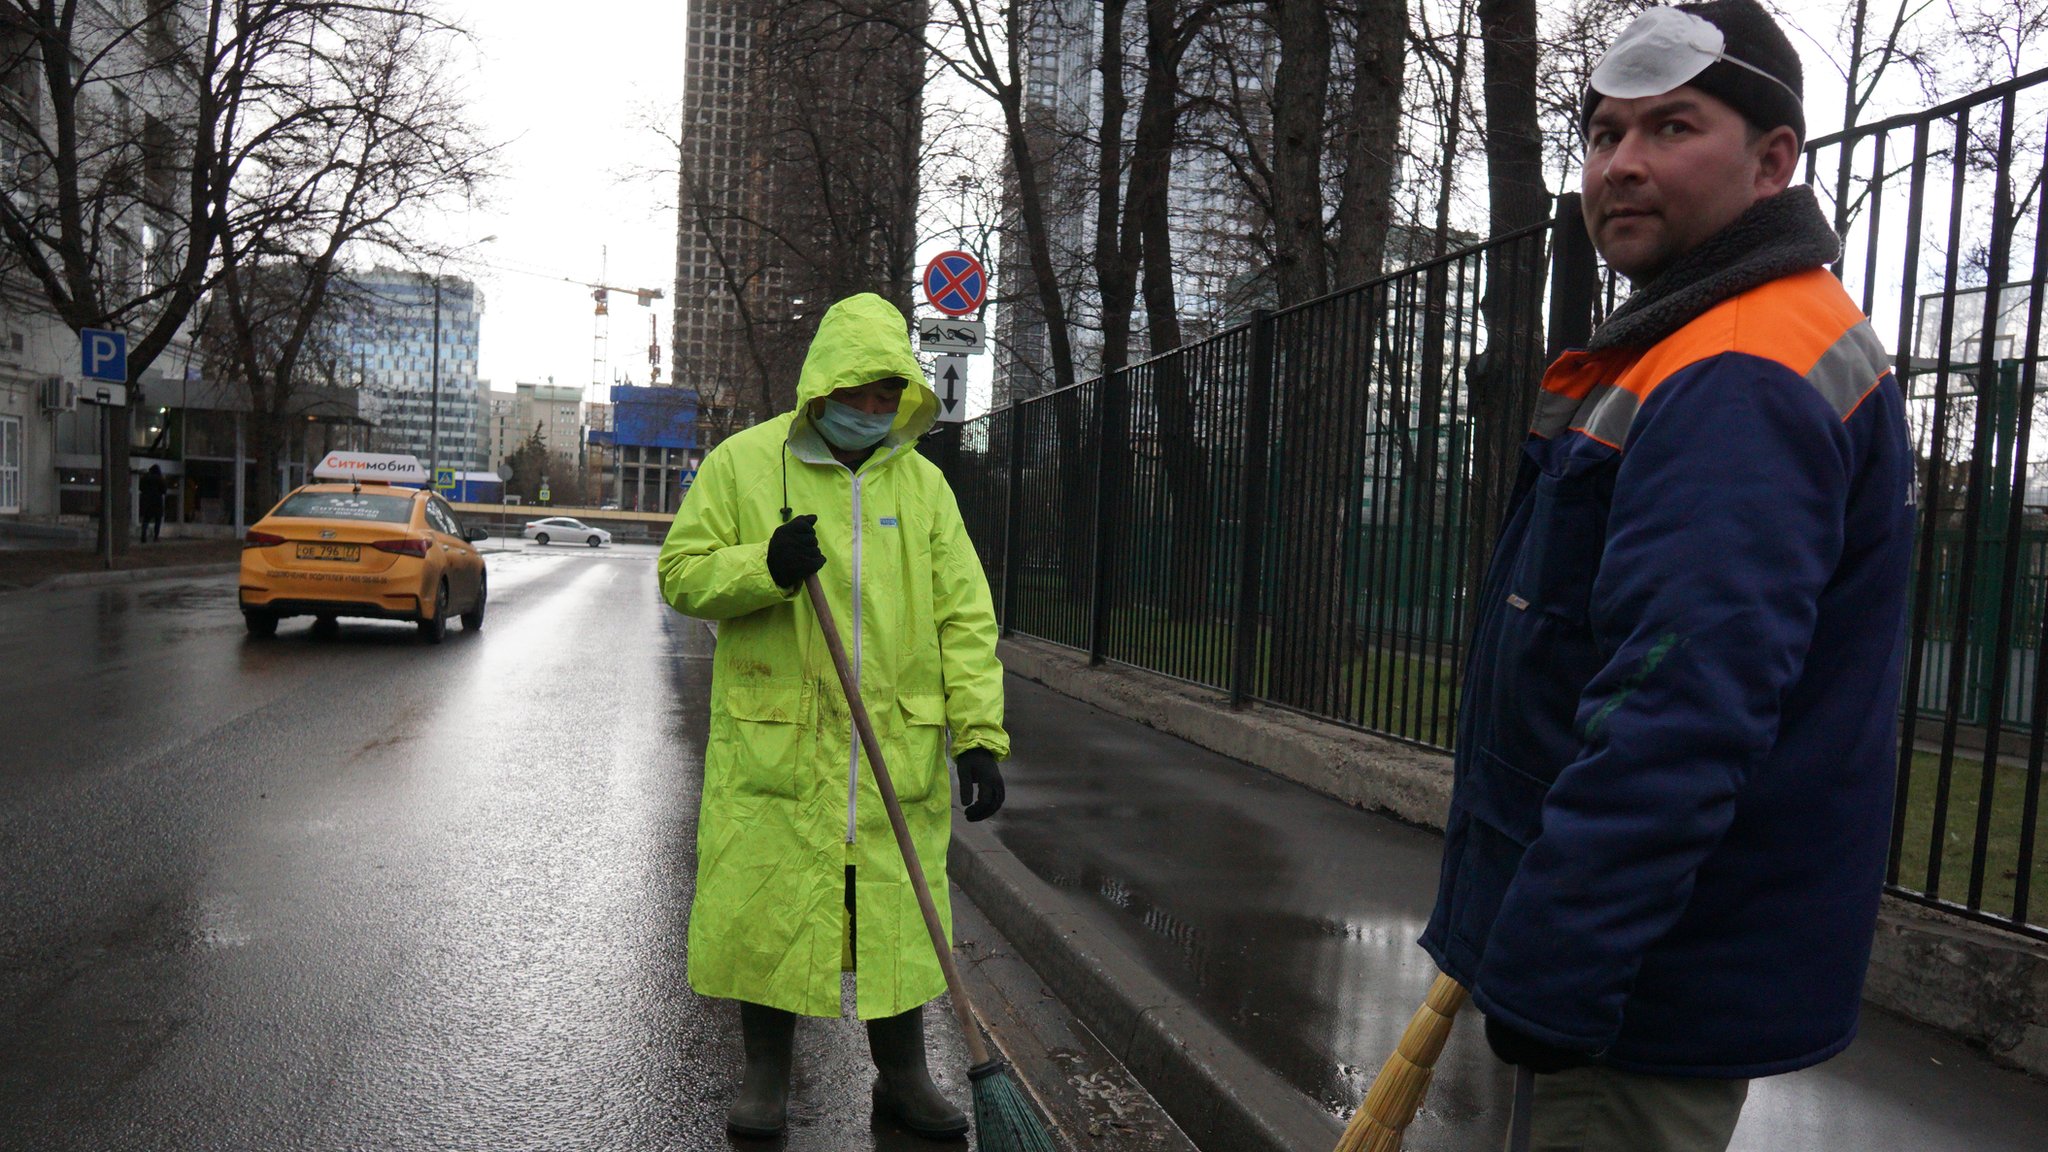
x=564 y=530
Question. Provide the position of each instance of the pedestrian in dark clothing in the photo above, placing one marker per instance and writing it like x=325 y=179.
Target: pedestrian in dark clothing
x=1675 y=757
x=152 y=504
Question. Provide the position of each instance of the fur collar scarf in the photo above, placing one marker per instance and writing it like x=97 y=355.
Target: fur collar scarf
x=1774 y=238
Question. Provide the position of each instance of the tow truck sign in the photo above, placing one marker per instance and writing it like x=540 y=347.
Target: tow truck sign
x=950 y=335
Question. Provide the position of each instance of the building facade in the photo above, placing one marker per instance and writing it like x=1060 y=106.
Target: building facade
x=500 y=411
x=556 y=410
x=396 y=314
x=798 y=186
x=652 y=447
x=132 y=104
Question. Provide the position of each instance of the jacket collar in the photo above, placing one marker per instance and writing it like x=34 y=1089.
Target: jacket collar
x=1774 y=238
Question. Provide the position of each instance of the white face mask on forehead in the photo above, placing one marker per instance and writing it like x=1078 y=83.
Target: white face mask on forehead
x=1663 y=49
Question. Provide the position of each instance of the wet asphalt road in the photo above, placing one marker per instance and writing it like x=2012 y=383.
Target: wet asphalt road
x=1291 y=921
x=359 y=893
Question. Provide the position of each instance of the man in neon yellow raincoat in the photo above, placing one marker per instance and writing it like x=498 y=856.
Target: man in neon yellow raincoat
x=798 y=875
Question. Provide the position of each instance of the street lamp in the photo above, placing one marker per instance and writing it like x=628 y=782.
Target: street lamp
x=434 y=427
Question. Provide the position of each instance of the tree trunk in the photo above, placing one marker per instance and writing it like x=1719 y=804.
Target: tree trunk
x=268 y=452
x=1031 y=214
x=1116 y=268
x=1372 y=139
x=1436 y=301
x=1503 y=383
x=1181 y=448
x=1314 y=484
x=1300 y=91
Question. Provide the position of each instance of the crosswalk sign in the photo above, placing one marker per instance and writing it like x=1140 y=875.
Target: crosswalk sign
x=444 y=479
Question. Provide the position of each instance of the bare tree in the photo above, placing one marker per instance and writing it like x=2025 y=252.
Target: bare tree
x=333 y=167
x=797 y=167
x=1502 y=382
x=1301 y=88
x=989 y=56
x=127 y=121
x=1369 y=139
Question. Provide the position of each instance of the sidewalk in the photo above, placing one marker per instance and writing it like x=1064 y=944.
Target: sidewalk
x=25 y=567
x=1287 y=921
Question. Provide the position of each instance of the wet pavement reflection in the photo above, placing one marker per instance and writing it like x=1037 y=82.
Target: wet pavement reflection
x=355 y=892
x=1291 y=920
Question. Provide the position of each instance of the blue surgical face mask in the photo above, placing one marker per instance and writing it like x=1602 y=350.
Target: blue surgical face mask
x=849 y=429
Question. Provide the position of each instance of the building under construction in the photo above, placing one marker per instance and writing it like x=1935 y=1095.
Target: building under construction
x=798 y=186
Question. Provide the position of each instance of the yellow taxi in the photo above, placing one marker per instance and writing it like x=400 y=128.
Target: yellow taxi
x=357 y=542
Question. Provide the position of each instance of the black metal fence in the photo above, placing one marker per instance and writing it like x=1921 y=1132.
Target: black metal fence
x=1946 y=250
x=1296 y=510
x=1290 y=510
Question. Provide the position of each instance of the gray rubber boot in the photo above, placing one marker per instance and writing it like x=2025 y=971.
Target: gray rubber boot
x=763 y=1105
x=905 y=1089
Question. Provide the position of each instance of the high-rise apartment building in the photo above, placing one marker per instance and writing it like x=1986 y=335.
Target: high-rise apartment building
x=798 y=186
x=397 y=313
x=708 y=338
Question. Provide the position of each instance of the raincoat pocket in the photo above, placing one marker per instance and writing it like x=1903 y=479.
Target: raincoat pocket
x=770 y=724
x=924 y=741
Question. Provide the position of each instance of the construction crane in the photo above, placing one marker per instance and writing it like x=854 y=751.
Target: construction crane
x=601 y=325
x=600 y=294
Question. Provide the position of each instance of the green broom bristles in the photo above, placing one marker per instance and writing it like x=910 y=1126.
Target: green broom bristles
x=1004 y=1120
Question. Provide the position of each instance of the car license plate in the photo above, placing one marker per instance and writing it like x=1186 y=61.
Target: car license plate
x=348 y=553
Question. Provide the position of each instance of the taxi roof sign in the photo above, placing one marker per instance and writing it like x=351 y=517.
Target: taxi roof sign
x=373 y=467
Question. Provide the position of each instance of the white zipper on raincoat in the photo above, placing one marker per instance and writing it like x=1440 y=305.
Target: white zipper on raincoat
x=853 y=751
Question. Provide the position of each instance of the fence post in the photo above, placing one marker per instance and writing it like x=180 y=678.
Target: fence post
x=1258 y=435
x=1574 y=279
x=1013 y=516
x=1110 y=437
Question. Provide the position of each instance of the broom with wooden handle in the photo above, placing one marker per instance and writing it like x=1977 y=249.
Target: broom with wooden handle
x=1003 y=1120
x=1390 y=1103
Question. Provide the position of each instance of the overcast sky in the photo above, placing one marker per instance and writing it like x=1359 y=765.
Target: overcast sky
x=568 y=90
x=566 y=87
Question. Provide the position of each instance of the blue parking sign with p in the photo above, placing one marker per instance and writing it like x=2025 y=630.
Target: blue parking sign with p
x=103 y=355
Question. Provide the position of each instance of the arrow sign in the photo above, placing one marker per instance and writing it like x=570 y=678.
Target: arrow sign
x=934 y=335
x=949 y=380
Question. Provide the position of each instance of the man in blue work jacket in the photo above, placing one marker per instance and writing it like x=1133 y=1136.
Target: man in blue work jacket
x=1675 y=760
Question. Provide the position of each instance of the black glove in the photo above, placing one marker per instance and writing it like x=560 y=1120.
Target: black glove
x=981 y=785
x=1514 y=1046
x=793 y=551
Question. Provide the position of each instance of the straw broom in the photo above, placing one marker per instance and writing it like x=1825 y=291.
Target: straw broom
x=1003 y=1120
x=1380 y=1122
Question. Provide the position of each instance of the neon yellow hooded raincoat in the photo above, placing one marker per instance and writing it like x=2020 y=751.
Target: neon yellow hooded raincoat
x=786 y=804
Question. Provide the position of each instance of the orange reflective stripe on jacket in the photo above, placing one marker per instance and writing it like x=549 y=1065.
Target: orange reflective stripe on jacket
x=1804 y=321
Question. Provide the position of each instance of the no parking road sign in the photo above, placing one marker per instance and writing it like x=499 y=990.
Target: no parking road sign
x=955 y=283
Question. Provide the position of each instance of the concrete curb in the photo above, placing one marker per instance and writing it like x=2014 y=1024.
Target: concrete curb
x=1983 y=986
x=1408 y=782
x=131 y=576
x=1988 y=987
x=1219 y=1094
